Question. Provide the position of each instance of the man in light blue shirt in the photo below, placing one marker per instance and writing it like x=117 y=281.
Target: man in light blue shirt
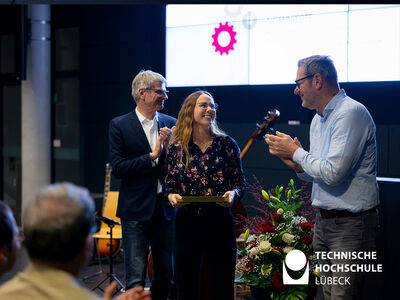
x=341 y=164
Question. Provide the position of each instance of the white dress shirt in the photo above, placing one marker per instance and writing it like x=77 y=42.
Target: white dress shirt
x=150 y=128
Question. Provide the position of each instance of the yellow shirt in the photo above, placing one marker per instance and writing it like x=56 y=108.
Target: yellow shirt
x=43 y=282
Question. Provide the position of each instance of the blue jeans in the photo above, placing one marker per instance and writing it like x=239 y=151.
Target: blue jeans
x=342 y=234
x=137 y=236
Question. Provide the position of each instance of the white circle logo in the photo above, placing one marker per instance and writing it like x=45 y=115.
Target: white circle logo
x=296 y=260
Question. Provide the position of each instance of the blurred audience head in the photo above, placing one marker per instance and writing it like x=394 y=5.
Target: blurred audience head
x=9 y=238
x=58 y=225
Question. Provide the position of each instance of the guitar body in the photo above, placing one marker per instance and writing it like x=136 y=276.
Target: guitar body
x=102 y=246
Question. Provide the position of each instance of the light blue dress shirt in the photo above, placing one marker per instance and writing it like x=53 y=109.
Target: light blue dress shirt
x=342 y=158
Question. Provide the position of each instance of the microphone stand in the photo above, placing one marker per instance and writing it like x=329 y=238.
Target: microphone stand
x=111 y=276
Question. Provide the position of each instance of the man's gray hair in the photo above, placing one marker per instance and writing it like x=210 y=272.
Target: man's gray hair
x=57 y=222
x=321 y=64
x=145 y=80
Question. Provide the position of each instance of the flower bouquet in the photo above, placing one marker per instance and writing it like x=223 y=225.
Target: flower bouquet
x=260 y=261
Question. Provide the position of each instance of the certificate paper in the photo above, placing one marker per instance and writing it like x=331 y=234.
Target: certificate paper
x=191 y=199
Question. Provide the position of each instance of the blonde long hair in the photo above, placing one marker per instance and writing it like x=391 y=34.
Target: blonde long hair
x=184 y=125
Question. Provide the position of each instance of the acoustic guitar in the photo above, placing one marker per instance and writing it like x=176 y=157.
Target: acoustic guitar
x=110 y=201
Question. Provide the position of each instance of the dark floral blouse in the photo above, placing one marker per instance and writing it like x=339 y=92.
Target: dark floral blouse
x=212 y=173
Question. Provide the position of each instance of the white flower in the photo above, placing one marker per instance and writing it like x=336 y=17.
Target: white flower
x=265 y=247
x=287 y=238
x=279 y=211
x=288 y=215
x=298 y=219
x=287 y=249
x=254 y=251
x=281 y=226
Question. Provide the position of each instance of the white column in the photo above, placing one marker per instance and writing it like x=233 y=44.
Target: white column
x=36 y=105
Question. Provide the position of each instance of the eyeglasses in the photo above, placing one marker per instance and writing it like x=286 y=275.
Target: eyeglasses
x=159 y=92
x=213 y=106
x=305 y=77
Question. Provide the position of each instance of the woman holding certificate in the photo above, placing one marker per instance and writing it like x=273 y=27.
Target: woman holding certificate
x=204 y=177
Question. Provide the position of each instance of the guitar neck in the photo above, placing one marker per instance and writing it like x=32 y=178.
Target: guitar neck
x=106 y=185
x=246 y=148
x=261 y=130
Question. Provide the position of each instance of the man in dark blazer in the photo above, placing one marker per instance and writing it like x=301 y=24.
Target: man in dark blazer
x=138 y=142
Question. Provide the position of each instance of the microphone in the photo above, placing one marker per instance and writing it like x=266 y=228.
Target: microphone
x=108 y=220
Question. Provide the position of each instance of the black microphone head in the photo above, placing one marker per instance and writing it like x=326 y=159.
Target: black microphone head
x=108 y=220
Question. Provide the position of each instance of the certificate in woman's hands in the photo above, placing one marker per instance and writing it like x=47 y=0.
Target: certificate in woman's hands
x=192 y=199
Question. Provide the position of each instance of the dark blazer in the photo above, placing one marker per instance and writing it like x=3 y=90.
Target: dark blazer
x=130 y=160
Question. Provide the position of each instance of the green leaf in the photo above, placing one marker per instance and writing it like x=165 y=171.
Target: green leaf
x=242 y=252
x=246 y=235
x=275 y=199
x=291 y=182
x=264 y=267
x=265 y=194
x=277 y=252
x=300 y=295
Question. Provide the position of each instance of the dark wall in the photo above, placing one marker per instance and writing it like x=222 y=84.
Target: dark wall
x=116 y=42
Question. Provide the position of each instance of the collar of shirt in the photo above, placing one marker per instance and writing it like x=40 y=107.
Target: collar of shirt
x=332 y=104
x=144 y=121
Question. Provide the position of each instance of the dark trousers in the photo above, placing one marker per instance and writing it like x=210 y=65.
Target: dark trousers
x=206 y=234
x=137 y=236
x=342 y=234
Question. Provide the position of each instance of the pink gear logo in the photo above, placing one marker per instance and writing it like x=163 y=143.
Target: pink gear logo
x=229 y=30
